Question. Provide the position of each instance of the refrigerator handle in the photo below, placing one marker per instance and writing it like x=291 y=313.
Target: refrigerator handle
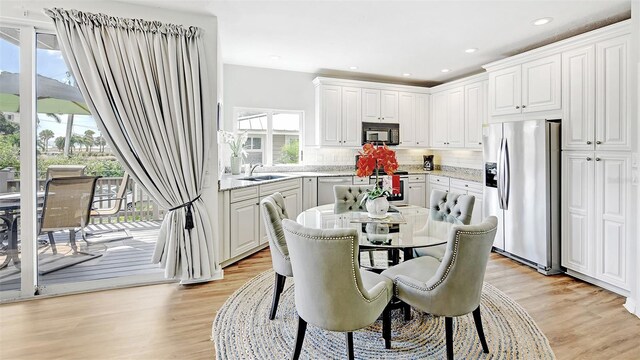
x=507 y=174
x=501 y=174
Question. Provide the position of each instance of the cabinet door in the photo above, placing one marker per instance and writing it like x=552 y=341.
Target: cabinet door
x=541 y=85
x=439 y=119
x=389 y=106
x=578 y=88
x=330 y=115
x=505 y=91
x=309 y=192
x=577 y=210
x=351 y=116
x=611 y=192
x=293 y=202
x=407 y=118
x=245 y=226
x=370 y=105
x=416 y=194
x=477 y=216
x=440 y=187
x=455 y=112
x=613 y=127
x=422 y=120
x=474 y=114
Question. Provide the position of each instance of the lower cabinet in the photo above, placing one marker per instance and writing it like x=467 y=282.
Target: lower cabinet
x=309 y=192
x=416 y=192
x=243 y=229
x=474 y=189
x=594 y=211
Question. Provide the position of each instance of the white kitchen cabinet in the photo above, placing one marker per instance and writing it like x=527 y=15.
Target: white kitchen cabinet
x=595 y=205
x=474 y=114
x=379 y=105
x=350 y=132
x=422 y=120
x=407 y=118
x=595 y=85
x=293 y=202
x=613 y=126
x=416 y=191
x=245 y=226
x=309 y=192
x=477 y=215
x=578 y=88
x=329 y=102
x=439 y=119
x=530 y=87
x=474 y=189
x=577 y=211
x=447 y=120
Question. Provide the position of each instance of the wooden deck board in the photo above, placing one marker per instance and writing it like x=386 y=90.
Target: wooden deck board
x=121 y=257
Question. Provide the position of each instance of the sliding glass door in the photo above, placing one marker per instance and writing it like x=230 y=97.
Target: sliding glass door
x=71 y=219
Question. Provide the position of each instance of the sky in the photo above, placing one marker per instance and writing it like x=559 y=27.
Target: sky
x=49 y=63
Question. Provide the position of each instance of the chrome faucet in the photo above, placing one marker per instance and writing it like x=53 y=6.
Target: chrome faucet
x=253 y=168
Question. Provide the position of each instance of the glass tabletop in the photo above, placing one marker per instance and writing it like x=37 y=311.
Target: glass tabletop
x=407 y=227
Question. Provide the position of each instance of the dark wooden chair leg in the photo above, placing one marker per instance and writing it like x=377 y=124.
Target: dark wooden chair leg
x=302 y=328
x=406 y=309
x=278 y=286
x=350 y=345
x=478 y=320
x=448 y=325
x=386 y=326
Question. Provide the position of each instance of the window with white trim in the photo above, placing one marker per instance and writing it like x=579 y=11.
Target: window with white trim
x=273 y=135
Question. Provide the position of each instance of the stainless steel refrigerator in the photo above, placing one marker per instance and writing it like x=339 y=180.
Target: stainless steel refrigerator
x=522 y=188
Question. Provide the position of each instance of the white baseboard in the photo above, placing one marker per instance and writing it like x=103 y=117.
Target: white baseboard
x=632 y=307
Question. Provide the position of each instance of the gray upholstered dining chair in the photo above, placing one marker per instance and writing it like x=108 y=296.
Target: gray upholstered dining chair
x=450 y=207
x=350 y=197
x=331 y=292
x=452 y=287
x=273 y=212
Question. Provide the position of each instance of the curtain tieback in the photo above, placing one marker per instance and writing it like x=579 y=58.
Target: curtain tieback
x=188 y=221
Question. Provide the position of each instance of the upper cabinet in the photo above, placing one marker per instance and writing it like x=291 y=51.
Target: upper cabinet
x=596 y=109
x=329 y=109
x=413 y=116
x=527 y=88
x=457 y=115
x=380 y=106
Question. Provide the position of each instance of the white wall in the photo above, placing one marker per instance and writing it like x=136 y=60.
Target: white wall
x=31 y=13
x=246 y=86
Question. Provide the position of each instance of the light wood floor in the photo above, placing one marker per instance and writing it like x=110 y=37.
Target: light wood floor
x=173 y=322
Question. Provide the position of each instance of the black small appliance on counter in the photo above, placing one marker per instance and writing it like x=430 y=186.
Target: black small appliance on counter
x=427 y=163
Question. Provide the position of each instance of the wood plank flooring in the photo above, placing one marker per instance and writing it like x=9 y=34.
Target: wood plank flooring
x=173 y=322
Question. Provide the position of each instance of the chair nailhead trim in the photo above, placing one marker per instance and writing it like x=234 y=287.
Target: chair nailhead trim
x=449 y=266
x=353 y=264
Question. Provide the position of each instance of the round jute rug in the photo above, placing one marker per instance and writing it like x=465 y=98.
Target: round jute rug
x=242 y=330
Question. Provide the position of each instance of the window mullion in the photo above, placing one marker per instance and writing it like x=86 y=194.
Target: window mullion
x=269 y=139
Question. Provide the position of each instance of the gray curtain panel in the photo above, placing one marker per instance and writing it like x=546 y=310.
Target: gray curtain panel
x=146 y=86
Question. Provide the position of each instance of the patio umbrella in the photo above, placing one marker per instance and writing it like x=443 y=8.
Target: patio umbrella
x=54 y=97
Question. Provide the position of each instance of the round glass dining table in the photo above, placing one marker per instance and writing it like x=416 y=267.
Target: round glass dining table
x=405 y=228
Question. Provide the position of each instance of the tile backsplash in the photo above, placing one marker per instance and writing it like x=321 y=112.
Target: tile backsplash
x=456 y=158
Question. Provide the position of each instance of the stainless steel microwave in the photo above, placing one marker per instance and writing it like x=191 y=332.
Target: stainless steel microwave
x=380 y=133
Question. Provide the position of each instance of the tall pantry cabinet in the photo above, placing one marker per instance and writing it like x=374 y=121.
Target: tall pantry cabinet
x=596 y=162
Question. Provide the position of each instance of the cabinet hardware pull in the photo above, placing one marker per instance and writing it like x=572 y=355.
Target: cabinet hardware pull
x=598 y=142
x=524 y=106
x=598 y=159
x=517 y=107
x=480 y=143
x=257 y=203
x=588 y=159
x=588 y=142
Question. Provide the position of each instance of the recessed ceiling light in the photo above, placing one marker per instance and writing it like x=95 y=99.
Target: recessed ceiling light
x=542 y=21
x=275 y=57
x=445 y=70
x=353 y=67
x=406 y=74
x=471 y=50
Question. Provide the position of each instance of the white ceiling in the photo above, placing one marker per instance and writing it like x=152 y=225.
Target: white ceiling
x=389 y=38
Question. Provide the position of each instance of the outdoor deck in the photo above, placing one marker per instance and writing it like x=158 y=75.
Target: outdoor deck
x=120 y=257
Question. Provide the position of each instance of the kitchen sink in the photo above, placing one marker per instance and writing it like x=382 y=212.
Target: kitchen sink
x=262 y=177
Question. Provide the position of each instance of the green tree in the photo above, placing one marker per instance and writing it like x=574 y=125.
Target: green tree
x=290 y=152
x=59 y=142
x=9 y=153
x=45 y=136
x=7 y=126
x=100 y=142
x=87 y=140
